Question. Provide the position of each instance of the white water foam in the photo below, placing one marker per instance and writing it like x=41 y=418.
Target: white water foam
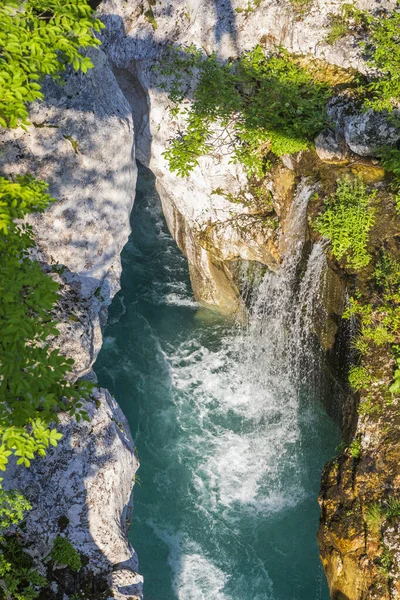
x=252 y=466
x=194 y=576
x=238 y=410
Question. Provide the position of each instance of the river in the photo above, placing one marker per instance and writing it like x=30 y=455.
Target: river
x=231 y=450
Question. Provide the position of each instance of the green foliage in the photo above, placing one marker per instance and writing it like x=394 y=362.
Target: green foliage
x=379 y=326
x=65 y=554
x=34 y=383
x=347 y=220
x=387 y=273
x=355 y=448
x=37 y=38
x=395 y=387
x=383 y=53
x=362 y=346
x=257 y=105
x=390 y=160
x=374 y=518
x=21 y=196
x=252 y=5
x=355 y=308
x=392 y=510
x=13 y=506
x=338 y=29
x=344 y=22
x=149 y=15
x=359 y=378
x=301 y=4
x=18 y=579
x=378 y=334
x=385 y=560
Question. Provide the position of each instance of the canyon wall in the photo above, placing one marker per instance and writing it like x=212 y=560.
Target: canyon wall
x=81 y=141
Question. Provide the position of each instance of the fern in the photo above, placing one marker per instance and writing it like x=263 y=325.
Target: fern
x=347 y=220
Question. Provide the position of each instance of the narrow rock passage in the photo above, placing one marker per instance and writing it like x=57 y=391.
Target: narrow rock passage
x=231 y=451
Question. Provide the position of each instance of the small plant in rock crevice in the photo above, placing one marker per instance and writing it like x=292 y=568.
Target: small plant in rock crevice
x=64 y=554
x=347 y=220
x=355 y=448
x=374 y=518
x=392 y=510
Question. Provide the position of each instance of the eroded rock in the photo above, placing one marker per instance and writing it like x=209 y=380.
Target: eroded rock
x=81 y=143
x=84 y=486
x=329 y=147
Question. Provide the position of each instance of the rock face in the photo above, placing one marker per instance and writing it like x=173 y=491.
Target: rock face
x=353 y=544
x=361 y=133
x=81 y=141
x=84 y=486
x=215 y=232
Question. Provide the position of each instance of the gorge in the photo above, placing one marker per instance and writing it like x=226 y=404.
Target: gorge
x=240 y=315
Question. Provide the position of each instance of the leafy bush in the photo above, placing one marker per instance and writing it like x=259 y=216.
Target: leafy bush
x=359 y=378
x=19 y=580
x=65 y=554
x=33 y=384
x=13 y=506
x=379 y=326
x=258 y=105
x=37 y=38
x=387 y=272
x=383 y=53
x=390 y=160
x=347 y=220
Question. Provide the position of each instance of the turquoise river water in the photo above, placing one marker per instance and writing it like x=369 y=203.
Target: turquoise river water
x=230 y=454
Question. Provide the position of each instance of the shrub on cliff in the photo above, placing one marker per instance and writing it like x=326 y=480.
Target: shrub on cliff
x=38 y=38
x=249 y=107
x=382 y=50
x=347 y=220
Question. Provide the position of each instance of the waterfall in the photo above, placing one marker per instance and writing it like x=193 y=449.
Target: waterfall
x=284 y=311
x=271 y=357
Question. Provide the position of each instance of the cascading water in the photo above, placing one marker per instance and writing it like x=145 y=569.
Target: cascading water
x=230 y=439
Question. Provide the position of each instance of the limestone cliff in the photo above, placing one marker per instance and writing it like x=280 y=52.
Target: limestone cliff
x=81 y=141
x=194 y=205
